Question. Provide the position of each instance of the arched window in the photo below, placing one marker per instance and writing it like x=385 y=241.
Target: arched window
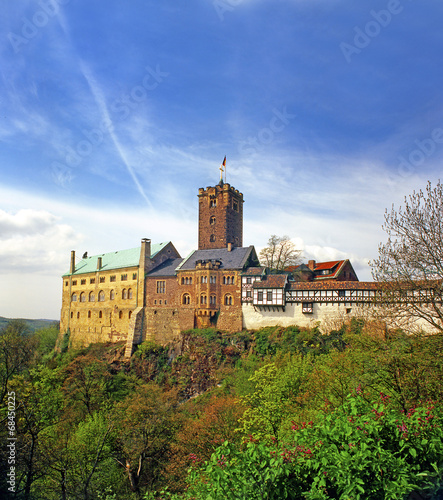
x=212 y=300
x=72 y=314
x=186 y=299
x=232 y=280
x=78 y=315
x=91 y=297
x=228 y=300
x=74 y=297
x=129 y=314
x=101 y=296
x=124 y=294
x=183 y=281
x=112 y=295
x=89 y=314
x=212 y=220
x=83 y=297
x=203 y=299
x=130 y=293
x=212 y=238
x=120 y=314
x=100 y=314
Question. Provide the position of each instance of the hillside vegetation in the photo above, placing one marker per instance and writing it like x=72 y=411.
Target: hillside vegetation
x=33 y=324
x=271 y=414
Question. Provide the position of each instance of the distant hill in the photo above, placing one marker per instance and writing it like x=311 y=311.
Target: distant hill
x=34 y=324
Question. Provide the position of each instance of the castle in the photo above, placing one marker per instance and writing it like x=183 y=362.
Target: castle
x=152 y=293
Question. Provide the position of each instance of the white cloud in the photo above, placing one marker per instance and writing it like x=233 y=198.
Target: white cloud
x=33 y=241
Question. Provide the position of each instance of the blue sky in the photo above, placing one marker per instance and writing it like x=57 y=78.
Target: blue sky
x=114 y=114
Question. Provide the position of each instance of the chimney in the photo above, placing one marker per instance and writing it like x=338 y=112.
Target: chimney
x=99 y=263
x=72 y=266
x=145 y=254
x=311 y=264
x=229 y=247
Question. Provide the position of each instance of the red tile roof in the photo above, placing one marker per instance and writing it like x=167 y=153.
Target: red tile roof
x=272 y=281
x=334 y=285
x=327 y=265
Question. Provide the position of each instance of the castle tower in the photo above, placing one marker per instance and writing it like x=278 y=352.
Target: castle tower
x=220 y=217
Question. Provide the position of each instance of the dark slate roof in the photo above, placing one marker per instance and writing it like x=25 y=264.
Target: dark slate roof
x=272 y=281
x=234 y=259
x=167 y=268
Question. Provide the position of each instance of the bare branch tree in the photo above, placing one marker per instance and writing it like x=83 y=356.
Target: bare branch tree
x=280 y=253
x=410 y=264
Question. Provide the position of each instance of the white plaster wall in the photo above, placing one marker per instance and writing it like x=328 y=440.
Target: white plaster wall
x=327 y=316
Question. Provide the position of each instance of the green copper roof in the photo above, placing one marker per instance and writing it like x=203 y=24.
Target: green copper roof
x=114 y=260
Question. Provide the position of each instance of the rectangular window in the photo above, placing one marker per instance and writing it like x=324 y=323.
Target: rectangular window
x=260 y=296
x=112 y=279
x=124 y=277
x=249 y=294
x=91 y=281
x=269 y=296
x=134 y=276
x=161 y=286
x=102 y=279
x=83 y=282
x=74 y=282
x=66 y=283
x=248 y=280
x=341 y=293
x=307 y=307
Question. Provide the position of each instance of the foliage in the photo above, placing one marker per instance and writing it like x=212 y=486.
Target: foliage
x=46 y=339
x=362 y=450
x=279 y=254
x=91 y=425
x=16 y=351
x=145 y=422
x=276 y=391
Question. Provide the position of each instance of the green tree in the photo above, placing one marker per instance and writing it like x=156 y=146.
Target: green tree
x=16 y=351
x=364 y=450
x=276 y=392
x=39 y=403
x=146 y=424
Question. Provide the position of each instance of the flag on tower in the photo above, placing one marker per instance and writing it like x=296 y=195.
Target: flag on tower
x=224 y=162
